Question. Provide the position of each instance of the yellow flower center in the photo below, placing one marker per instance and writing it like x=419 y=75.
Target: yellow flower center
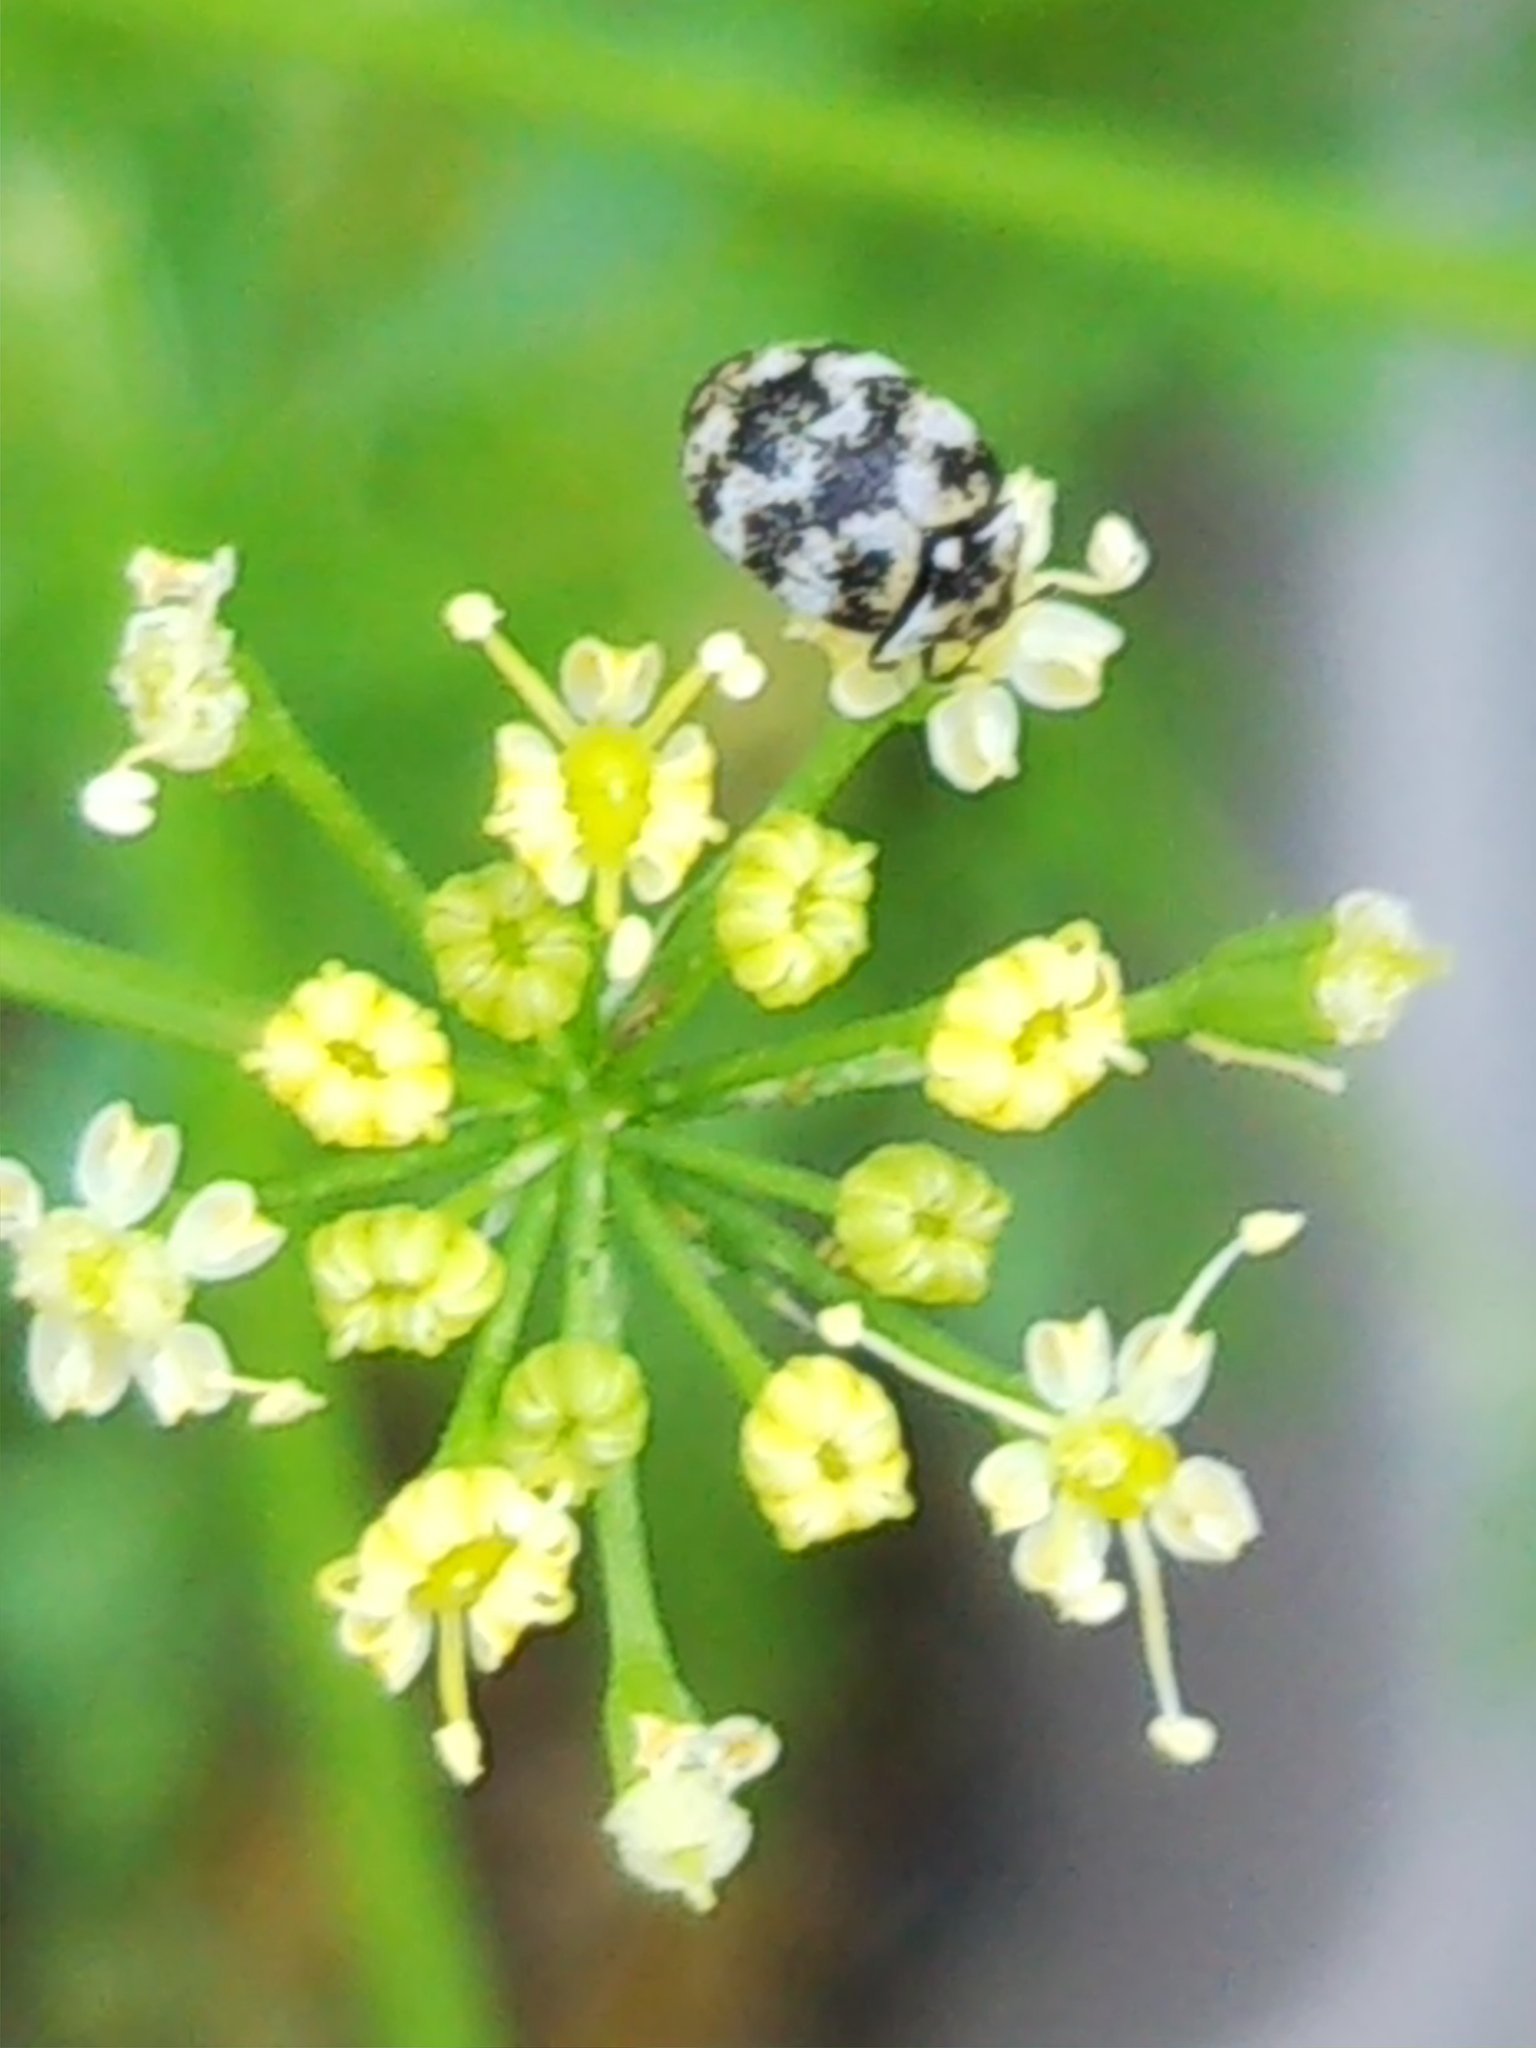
x=354 y=1059
x=832 y=1463
x=462 y=1574
x=1109 y=1465
x=608 y=773
x=94 y=1276
x=1042 y=1034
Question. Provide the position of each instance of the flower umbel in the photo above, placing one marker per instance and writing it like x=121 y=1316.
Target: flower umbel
x=1105 y=1466
x=792 y=916
x=1023 y=1036
x=919 y=1224
x=401 y=1279
x=110 y=1297
x=678 y=1828
x=822 y=1451
x=358 y=1063
x=174 y=681
x=465 y=1559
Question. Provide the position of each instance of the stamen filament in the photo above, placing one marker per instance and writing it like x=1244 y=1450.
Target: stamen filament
x=676 y=702
x=520 y=675
x=1152 y=1616
x=1228 y=1052
x=1020 y=1414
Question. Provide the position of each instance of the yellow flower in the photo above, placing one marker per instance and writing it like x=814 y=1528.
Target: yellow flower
x=1024 y=1035
x=506 y=956
x=174 y=681
x=822 y=1451
x=401 y=1279
x=358 y=1064
x=917 y=1224
x=677 y=1828
x=609 y=790
x=465 y=1558
x=792 y=912
x=1374 y=961
x=571 y=1413
x=110 y=1297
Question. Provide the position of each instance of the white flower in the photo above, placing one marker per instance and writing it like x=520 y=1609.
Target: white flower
x=464 y=1560
x=677 y=1828
x=173 y=679
x=1106 y=1467
x=1371 y=966
x=1049 y=653
x=109 y=1297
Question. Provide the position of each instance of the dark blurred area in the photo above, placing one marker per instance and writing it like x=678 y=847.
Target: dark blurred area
x=408 y=298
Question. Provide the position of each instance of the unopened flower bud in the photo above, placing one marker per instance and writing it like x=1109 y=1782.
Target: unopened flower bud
x=919 y=1224
x=571 y=1413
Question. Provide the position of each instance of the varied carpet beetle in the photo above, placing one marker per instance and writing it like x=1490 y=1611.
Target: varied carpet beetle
x=855 y=495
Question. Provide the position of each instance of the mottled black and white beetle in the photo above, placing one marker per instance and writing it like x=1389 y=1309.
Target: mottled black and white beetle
x=855 y=495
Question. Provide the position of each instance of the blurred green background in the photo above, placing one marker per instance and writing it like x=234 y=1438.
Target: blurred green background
x=405 y=298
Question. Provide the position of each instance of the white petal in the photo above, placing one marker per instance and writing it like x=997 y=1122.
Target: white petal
x=1070 y=1364
x=609 y=685
x=1118 y=556
x=1034 y=496
x=1058 y=654
x=120 y=802
x=1161 y=1376
x=124 y=1169
x=221 y=1233
x=1013 y=1486
x=1063 y=1556
x=21 y=1201
x=1207 y=1514
x=973 y=737
x=857 y=690
x=73 y=1372
x=738 y=1749
x=187 y=1374
x=1094 y=1607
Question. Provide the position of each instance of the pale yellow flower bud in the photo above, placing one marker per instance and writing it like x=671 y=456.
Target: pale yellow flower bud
x=358 y=1063
x=792 y=914
x=401 y=1279
x=1025 y=1035
x=918 y=1224
x=1374 y=961
x=506 y=956
x=572 y=1412
x=822 y=1451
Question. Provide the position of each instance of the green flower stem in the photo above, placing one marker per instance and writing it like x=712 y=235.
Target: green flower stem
x=642 y=1671
x=770 y=1248
x=875 y=1052
x=1097 y=188
x=471 y=1427
x=592 y=1308
x=1157 y=1012
x=795 y=1187
x=643 y=1677
x=281 y=748
x=689 y=962
x=47 y=969
x=675 y=1264
x=520 y=1169
x=361 y=1174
